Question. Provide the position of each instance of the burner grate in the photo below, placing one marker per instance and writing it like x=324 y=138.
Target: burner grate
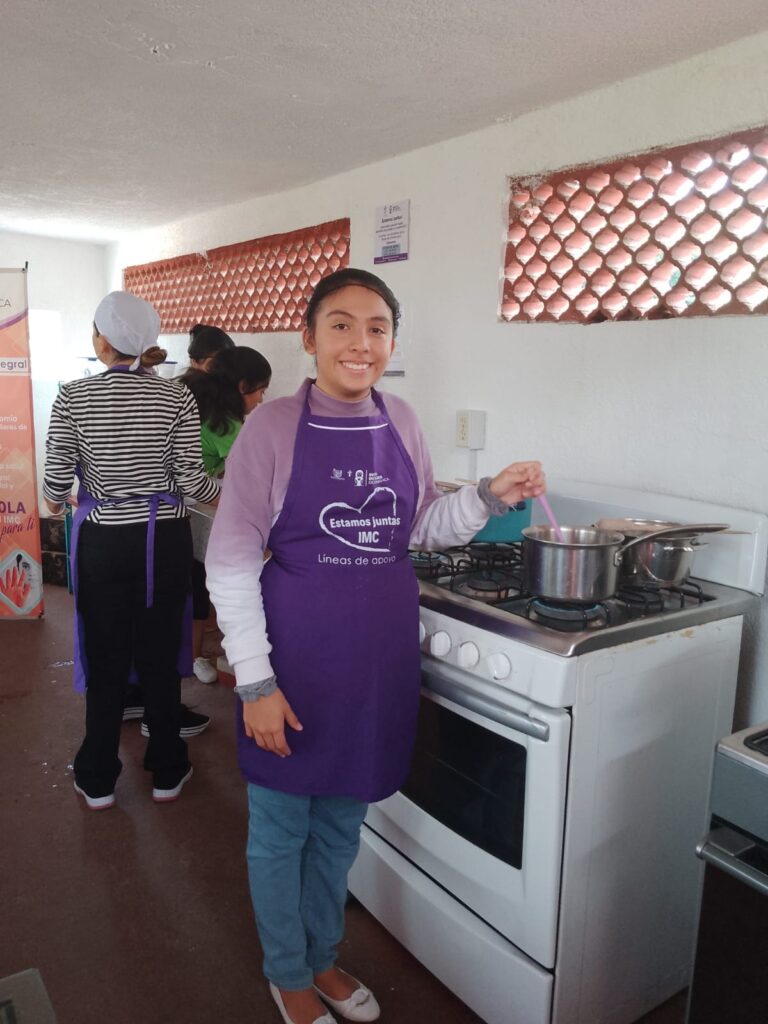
x=492 y=574
x=431 y=565
x=473 y=559
x=649 y=598
x=482 y=584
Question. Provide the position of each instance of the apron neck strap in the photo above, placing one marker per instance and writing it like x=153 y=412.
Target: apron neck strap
x=378 y=400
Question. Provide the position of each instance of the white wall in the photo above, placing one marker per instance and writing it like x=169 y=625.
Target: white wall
x=669 y=406
x=66 y=281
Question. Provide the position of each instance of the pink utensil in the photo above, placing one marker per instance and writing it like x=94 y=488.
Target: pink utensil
x=551 y=517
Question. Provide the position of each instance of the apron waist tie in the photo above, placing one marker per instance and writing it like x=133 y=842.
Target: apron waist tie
x=87 y=503
x=153 y=501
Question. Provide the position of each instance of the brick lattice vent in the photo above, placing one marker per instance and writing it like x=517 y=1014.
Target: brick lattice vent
x=679 y=232
x=248 y=287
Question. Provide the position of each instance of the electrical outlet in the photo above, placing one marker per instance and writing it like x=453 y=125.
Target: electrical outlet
x=462 y=428
x=470 y=429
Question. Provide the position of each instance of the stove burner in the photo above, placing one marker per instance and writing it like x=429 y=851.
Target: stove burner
x=641 y=598
x=688 y=592
x=431 y=564
x=481 y=555
x=645 y=598
x=488 y=585
x=567 y=614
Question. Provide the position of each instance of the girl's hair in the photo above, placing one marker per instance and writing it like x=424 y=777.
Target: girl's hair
x=149 y=357
x=343 y=279
x=153 y=356
x=218 y=394
x=206 y=341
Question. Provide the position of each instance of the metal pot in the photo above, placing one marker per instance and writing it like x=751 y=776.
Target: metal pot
x=667 y=562
x=583 y=568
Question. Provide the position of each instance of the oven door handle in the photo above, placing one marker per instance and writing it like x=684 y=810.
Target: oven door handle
x=456 y=686
x=721 y=848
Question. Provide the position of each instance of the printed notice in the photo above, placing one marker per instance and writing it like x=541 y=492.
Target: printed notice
x=21 y=578
x=392 y=226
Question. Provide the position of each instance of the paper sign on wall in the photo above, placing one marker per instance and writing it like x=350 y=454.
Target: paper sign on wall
x=392 y=225
x=21 y=581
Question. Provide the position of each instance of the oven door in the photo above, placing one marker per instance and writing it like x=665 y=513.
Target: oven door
x=483 y=808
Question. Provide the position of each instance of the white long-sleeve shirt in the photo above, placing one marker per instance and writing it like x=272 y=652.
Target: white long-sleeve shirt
x=258 y=471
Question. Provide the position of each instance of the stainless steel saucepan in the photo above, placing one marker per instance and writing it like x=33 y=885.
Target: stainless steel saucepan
x=584 y=568
x=665 y=560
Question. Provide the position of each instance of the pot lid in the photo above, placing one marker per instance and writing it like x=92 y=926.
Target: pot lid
x=640 y=527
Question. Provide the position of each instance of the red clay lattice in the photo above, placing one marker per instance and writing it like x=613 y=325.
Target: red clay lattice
x=682 y=232
x=249 y=287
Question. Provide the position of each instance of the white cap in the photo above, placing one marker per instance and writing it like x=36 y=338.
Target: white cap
x=129 y=323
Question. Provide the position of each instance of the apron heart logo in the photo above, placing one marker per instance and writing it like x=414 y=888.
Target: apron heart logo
x=369 y=527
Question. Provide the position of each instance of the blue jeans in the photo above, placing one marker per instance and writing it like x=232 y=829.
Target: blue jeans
x=300 y=850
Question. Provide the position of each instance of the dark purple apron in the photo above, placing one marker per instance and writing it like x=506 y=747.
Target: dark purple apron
x=86 y=504
x=341 y=602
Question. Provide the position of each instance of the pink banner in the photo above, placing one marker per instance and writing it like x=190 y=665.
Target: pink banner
x=21 y=577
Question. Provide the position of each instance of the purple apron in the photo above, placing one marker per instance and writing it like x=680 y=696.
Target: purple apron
x=341 y=601
x=86 y=504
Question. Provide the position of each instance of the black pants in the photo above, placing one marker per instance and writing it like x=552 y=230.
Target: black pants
x=121 y=631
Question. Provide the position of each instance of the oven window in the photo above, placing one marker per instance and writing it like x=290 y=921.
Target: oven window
x=470 y=779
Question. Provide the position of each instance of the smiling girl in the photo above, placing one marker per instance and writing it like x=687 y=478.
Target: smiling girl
x=337 y=482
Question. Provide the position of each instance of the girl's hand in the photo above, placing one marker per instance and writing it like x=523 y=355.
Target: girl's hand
x=265 y=719
x=519 y=481
x=59 y=508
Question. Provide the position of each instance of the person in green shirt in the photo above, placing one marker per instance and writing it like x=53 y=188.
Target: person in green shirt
x=234 y=384
x=205 y=342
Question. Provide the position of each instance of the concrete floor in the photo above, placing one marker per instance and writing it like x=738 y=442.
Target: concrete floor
x=142 y=913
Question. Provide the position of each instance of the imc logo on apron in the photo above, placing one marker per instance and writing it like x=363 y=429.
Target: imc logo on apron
x=369 y=527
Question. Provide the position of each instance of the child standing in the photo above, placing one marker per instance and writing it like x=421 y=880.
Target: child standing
x=337 y=482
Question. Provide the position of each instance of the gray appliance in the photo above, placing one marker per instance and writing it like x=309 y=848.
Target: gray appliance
x=730 y=978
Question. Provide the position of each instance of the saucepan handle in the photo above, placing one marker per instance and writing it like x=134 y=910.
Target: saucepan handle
x=670 y=531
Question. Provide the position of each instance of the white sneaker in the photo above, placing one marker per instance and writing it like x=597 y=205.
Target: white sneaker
x=164 y=796
x=204 y=671
x=96 y=803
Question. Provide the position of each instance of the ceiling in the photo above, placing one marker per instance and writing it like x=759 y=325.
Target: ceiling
x=122 y=115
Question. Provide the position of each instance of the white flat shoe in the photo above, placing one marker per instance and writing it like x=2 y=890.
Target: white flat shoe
x=360 y=1006
x=326 y=1018
x=203 y=670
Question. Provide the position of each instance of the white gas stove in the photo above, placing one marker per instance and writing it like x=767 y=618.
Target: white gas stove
x=540 y=860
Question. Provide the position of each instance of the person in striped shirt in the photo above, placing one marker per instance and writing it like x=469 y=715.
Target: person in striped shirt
x=133 y=440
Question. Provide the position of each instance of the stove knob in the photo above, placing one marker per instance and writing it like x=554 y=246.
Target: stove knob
x=439 y=644
x=468 y=655
x=422 y=633
x=499 y=665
